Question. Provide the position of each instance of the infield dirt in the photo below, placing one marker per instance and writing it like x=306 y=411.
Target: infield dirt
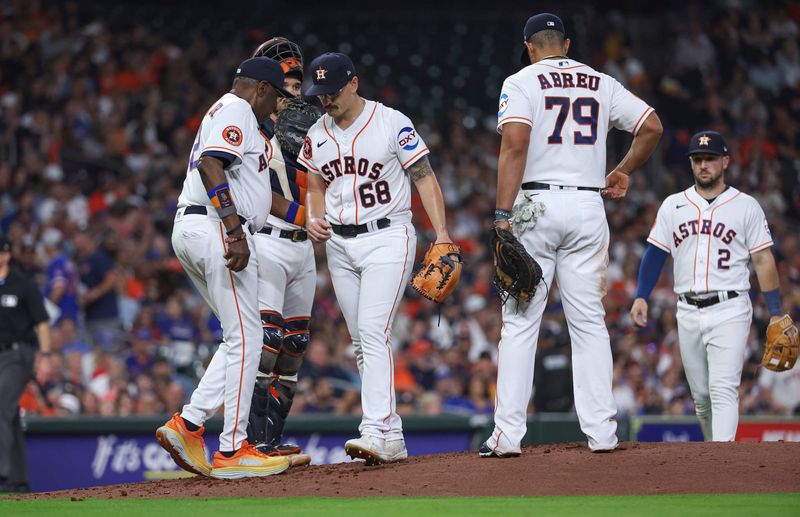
x=564 y=469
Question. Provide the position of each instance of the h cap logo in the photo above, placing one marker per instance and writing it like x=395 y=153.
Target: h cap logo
x=704 y=140
x=321 y=72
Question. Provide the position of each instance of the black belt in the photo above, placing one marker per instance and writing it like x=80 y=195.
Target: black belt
x=201 y=210
x=706 y=302
x=353 y=230
x=5 y=347
x=535 y=185
x=293 y=235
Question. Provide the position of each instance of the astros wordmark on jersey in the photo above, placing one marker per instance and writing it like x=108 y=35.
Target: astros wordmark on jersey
x=711 y=243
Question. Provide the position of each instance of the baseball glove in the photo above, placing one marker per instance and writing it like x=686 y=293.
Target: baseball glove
x=516 y=273
x=783 y=344
x=440 y=272
x=293 y=122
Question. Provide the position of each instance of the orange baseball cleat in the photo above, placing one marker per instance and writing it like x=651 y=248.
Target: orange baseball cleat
x=187 y=448
x=247 y=463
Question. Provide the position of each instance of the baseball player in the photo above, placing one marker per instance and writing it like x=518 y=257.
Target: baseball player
x=361 y=155
x=286 y=278
x=225 y=199
x=554 y=116
x=712 y=231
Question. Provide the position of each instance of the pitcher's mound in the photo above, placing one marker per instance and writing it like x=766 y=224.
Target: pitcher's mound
x=565 y=469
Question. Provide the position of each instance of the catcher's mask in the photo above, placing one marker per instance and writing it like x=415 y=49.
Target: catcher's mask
x=285 y=52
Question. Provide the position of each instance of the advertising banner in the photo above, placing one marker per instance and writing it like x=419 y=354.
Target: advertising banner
x=75 y=461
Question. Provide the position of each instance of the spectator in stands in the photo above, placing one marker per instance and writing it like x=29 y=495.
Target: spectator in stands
x=99 y=301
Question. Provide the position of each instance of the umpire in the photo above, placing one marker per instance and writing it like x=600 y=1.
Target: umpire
x=23 y=319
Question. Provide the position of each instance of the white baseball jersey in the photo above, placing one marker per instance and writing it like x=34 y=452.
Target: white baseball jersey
x=711 y=243
x=364 y=165
x=229 y=131
x=565 y=101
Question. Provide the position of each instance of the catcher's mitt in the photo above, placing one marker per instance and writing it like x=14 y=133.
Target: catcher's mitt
x=440 y=272
x=783 y=344
x=293 y=122
x=516 y=273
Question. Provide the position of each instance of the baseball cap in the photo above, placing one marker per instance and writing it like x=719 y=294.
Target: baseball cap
x=536 y=23
x=264 y=69
x=330 y=72
x=707 y=142
x=5 y=245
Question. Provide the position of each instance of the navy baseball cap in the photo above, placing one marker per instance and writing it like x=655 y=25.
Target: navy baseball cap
x=330 y=72
x=707 y=142
x=264 y=69
x=536 y=23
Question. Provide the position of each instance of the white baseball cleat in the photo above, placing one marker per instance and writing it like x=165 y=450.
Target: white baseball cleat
x=368 y=448
x=396 y=449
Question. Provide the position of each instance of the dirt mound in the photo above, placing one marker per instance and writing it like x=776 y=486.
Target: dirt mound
x=567 y=469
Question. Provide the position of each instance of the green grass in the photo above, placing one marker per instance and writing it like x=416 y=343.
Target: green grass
x=705 y=505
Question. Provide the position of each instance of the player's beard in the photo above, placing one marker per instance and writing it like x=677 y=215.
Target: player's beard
x=713 y=181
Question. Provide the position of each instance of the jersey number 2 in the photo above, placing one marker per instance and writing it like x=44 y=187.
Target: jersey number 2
x=578 y=115
x=724 y=257
x=380 y=195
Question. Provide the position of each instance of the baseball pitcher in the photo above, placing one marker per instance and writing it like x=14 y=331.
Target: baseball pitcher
x=554 y=116
x=361 y=156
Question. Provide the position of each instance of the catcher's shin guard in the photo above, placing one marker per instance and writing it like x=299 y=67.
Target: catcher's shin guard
x=257 y=420
x=272 y=323
x=284 y=383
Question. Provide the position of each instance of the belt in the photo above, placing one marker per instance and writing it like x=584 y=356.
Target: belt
x=5 y=347
x=293 y=235
x=353 y=230
x=706 y=302
x=535 y=185
x=201 y=210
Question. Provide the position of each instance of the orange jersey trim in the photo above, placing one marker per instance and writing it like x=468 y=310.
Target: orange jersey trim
x=353 y=154
x=515 y=119
x=413 y=159
x=244 y=347
x=761 y=246
x=637 y=127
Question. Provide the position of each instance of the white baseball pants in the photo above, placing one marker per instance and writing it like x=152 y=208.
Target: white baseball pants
x=287 y=275
x=370 y=273
x=713 y=341
x=199 y=244
x=570 y=243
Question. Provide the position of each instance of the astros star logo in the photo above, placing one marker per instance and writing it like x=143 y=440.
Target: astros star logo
x=321 y=74
x=704 y=140
x=233 y=135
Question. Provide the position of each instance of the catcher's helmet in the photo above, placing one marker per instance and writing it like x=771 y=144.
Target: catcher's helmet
x=285 y=52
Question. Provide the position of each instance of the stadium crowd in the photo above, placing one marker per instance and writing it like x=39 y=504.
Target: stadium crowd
x=97 y=116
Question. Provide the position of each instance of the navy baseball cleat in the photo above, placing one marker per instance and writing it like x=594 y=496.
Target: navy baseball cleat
x=487 y=452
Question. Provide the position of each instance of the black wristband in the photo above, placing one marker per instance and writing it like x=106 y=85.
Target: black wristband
x=234 y=230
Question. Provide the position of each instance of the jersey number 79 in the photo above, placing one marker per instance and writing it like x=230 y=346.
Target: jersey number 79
x=579 y=115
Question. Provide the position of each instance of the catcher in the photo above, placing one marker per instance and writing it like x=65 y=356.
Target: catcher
x=286 y=266
x=713 y=231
